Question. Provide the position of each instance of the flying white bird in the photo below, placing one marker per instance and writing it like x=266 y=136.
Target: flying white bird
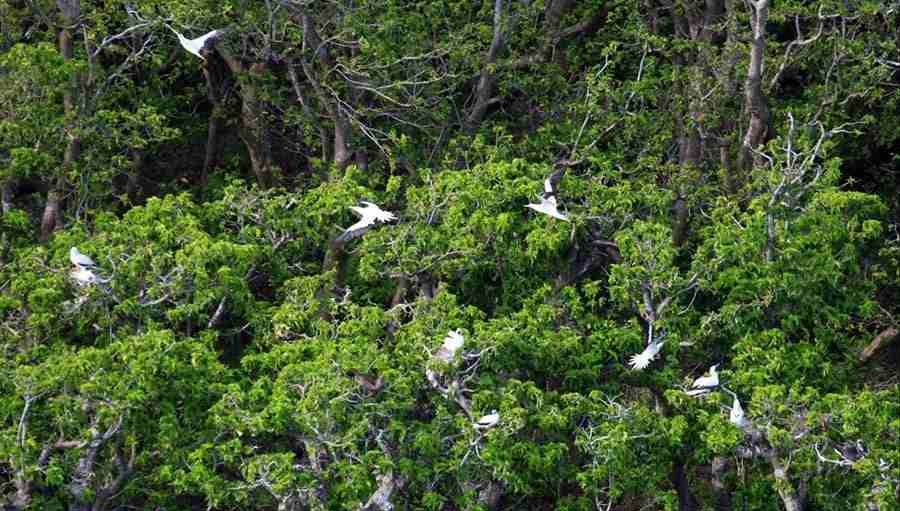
x=199 y=44
x=369 y=215
x=548 y=206
x=452 y=343
x=80 y=260
x=488 y=420
x=643 y=359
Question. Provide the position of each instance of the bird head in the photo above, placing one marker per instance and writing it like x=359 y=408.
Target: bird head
x=712 y=369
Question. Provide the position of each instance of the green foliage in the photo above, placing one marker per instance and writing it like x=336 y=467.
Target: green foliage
x=235 y=352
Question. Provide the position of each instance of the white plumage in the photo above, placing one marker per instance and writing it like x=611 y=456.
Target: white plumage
x=83 y=276
x=80 y=260
x=369 y=215
x=704 y=384
x=452 y=343
x=643 y=359
x=488 y=420
x=195 y=46
x=548 y=206
x=736 y=416
x=707 y=381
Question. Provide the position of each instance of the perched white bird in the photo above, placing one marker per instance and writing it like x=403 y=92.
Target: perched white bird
x=736 y=416
x=80 y=260
x=369 y=215
x=704 y=384
x=488 y=420
x=83 y=276
x=452 y=343
x=548 y=206
x=199 y=44
x=643 y=359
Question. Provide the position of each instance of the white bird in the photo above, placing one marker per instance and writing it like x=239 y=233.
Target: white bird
x=80 y=260
x=643 y=359
x=736 y=416
x=704 y=384
x=452 y=343
x=199 y=44
x=548 y=206
x=488 y=420
x=83 y=276
x=369 y=215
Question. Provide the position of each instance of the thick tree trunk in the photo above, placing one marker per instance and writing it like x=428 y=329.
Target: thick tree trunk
x=214 y=83
x=138 y=158
x=254 y=126
x=51 y=219
x=256 y=136
x=679 y=479
x=484 y=91
x=211 y=157
x=755 y=101
x=721 y=493
x=342 y=153
x=679 y=221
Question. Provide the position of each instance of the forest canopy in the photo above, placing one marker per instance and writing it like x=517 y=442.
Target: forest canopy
x=438 y=255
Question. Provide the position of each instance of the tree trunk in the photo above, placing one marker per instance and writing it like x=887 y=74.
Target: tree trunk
x=254 y=127
x=678 y=476
x=137 y=169
x=256 y=136
x=6 y=197
x=211 y=158
x=214 y=83
x=721 y=493
x=484 y=91
x=51 y=220
x=342 y=153
x=755 y=101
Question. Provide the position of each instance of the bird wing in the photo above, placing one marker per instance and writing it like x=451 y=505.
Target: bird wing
x=489 y=420
x=355 y=231
x=453 y=341
x=556 y=214
x=702 y=382
x=80 y=259
x=84 y=277
x=697 y=392
x=213 y=34
x=641 y=360
x=548 y=187
x=443 y=354
x=363 y=222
